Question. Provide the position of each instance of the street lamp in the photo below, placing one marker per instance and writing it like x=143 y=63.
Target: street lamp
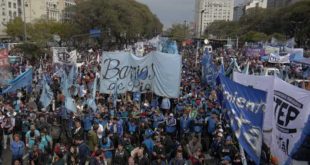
x=25 y=30
x=201 y=14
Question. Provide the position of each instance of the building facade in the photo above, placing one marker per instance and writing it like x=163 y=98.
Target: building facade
x=256 y=3
x=238 y=12
x=208 y=11
x=9 y=10
x=280 y=3
x=33 y=10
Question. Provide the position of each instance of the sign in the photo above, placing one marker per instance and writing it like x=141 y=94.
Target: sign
x=286 y=118
x=61 y=56
x=255 y=52
x=271 y=49
x=289 y=118
x=95 y=33
x=276 y=58
x=209 y=70
x=158 y=72
x=246 y=108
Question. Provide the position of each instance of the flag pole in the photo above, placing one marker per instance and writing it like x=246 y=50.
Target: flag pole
x=243 y=158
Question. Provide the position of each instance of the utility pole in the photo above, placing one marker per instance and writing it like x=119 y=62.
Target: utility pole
x=201 y=14
x=25 y=28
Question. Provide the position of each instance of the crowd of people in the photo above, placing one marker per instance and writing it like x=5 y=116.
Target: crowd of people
x=154 y=130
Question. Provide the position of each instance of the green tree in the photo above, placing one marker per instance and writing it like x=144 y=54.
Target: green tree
x=15 y=28
x=123 y=20
x=178 y=32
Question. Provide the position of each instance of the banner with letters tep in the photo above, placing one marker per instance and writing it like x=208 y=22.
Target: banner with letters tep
x=246 y=107
x=290 y=117
x=264 y=83
x=275 y=58
x=62 y=56
x=158 y=72
x=272 y=84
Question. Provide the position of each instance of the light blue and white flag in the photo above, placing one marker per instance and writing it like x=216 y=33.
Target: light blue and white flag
x=46 y=95
x=21 y=81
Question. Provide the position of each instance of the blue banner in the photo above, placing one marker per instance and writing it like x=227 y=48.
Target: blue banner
x=209 y=70
x=23 y=80
x=246 y=107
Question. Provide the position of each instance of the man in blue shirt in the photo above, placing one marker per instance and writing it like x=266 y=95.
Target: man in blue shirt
x=17 y=149
x=158 y=119
x=184 y=125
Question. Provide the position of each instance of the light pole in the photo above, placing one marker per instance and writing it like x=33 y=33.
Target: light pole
x=25 y=28
x=201 y=14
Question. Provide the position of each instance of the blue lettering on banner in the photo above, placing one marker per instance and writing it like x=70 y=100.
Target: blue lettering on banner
x=246 y=108
x=137 y=75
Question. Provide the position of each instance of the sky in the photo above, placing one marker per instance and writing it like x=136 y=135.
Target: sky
x=173 y=11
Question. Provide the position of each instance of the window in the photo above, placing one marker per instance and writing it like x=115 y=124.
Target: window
x=3 y=13
x=10 y=13
x=10 y=4
x=14 y=14
x=14 y=5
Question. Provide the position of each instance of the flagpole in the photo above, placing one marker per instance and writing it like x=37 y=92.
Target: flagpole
x=243 y=158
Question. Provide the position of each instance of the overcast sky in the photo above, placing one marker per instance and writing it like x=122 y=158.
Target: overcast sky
x=172 y=11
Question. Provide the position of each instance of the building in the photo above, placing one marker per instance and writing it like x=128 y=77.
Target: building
x=208 y=11
x=32 y=10
x=46 y=9
x=238 y=12
x=280 y=3
x=256 y=3
x=9 y=10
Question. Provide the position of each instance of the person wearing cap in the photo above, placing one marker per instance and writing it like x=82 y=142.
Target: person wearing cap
x=148 y=141
x=226 y=160
x=171 y=123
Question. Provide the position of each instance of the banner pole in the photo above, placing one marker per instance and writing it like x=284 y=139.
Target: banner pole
x=243 y=158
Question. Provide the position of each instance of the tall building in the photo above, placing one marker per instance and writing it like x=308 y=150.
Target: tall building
x=208 y=11
x=9 y=10
x=238 y=12
x=256 y=3
x=32 y=10
x=280 y=3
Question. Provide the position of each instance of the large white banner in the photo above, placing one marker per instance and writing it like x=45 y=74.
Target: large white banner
x=61 y=56
x=287 y=111
x=291 y=109
x=264 y=83
x=276 y=58
x=157 y=72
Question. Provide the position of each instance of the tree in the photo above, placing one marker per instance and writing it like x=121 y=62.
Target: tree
x=178 y=32
x=15 y=28
x=124 y=20
x=254 y=36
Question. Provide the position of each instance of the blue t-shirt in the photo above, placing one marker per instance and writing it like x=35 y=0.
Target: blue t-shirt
x=108 y=145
